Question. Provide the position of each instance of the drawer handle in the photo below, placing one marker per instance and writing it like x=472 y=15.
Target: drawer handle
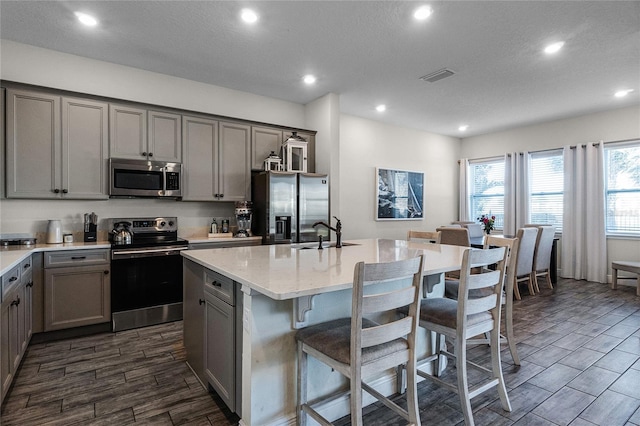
x=30 y=284
x=106 y=272
x=12 y=279
x=28 y=265
x=216 y=284
x=16 y=302
x=78 y=257
x=201 y=301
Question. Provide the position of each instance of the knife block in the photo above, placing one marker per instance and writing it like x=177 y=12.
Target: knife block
x=91 y=236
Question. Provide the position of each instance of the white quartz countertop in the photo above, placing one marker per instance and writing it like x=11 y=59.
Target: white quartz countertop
x=13 y=255
x=283 y=272
x=205 y=239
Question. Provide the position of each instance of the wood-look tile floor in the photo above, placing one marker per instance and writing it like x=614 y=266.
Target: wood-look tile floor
x=579 y=345
x=131 y=377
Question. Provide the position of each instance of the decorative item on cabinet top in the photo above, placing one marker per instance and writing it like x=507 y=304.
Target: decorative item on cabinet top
x=294 y=153
x=273 y=162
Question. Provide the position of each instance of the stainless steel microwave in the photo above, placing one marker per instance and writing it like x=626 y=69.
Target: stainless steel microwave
x=142 y=178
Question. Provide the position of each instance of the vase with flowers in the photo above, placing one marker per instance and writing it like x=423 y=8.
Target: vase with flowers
x=487 y=222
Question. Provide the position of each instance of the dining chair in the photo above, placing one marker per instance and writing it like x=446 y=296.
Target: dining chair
x=357 y=347
x=465 y=318
x=456 y=236
x=524 y=265
x=542 y=255
x=430 y=236
x=452 y=286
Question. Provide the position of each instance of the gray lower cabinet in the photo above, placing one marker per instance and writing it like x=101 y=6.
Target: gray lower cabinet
x=15 y=321
x=56 y=146
x=213 y=331
x=77 y=288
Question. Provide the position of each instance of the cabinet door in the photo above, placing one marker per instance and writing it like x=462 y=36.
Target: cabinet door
x=33 y=145
x=165 y=138
x=234 y=174
x=193 y=317
x=5 y=338
x=84 y=149
x=76 y=296
x=10 y=351
x=199 y=147
x=220 y=348
x=27 y=280
x=263 y=141
x=127 y=132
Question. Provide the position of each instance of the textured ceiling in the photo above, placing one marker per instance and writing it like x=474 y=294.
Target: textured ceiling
x=369 y=52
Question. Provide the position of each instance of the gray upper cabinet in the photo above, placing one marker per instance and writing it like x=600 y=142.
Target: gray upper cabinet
x=56 y=147
x=85 y=148
x=216 y=160
x=136 y=133
x=199 y=154
x=234 y=172
x=263 y=141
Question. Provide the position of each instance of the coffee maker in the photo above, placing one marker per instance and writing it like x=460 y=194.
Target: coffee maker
x=243 y=218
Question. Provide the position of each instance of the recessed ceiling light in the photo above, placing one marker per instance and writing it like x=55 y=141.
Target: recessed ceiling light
x=309 y=79
x=248 y=16
x=422 y=13
x=622 y=93
x=463 y=128
x=381 y=108
x=87 y=20
x=554 y=47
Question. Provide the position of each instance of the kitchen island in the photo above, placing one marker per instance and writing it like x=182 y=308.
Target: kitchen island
x=280 y=288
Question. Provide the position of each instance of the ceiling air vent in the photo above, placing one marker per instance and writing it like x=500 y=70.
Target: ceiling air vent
x=437 y=75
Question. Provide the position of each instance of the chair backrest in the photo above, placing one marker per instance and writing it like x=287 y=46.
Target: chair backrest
x=430 y=236
x=544 y=243
x=489 y=283
x=461 y=222
x=363 y=305
x=526 y=251
x=454 y=236
x=512 y=245
x=475 y=230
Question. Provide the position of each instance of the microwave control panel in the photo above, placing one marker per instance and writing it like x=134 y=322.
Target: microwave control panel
x=173 y=181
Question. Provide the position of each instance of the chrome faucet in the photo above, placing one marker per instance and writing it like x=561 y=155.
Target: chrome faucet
x=337 y=230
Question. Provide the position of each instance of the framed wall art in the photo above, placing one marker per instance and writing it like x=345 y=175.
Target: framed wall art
x=399 y=195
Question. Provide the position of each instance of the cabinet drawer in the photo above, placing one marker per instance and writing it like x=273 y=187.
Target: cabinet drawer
x=26 y=265
x=10 y=279
x=219 y=286
x=56 y=259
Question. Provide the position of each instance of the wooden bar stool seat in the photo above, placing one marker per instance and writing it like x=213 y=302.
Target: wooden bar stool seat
x=620 y=265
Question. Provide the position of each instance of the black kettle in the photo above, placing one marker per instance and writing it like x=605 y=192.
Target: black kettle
x=121 y=234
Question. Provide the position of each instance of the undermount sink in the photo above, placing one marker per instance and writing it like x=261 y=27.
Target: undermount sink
x=314 y=246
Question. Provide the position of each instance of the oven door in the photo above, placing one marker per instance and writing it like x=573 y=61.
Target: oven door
x=146 y=288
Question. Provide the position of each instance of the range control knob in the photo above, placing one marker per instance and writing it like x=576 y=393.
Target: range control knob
x=170 y=223
x=163 y=223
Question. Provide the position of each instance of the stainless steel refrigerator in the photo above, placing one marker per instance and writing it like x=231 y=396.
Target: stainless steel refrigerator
x=286 y=204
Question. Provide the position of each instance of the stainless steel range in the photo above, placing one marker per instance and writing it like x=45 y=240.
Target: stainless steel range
x=146 y=271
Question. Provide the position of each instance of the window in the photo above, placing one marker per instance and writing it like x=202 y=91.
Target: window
x=486 y=194
x=546 y=188
x=622 y=188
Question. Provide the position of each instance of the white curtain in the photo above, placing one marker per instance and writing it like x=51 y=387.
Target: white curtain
x=584 y=244
x=516 y=191
x=464 y=214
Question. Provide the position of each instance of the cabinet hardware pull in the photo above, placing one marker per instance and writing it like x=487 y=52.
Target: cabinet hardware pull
x=16 y=302
x=30 y=284
x=201 y=301
x=57 y=191
x=78 y=257
x=65 y=191
x=144 y=154
x=106 y=272
x=12 y=279
x=216 y=284
x=28 y=265
x=221 y=195
x=151 y=154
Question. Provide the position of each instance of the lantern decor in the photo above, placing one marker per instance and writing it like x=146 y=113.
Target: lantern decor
x=273 y=162
x=294 y=154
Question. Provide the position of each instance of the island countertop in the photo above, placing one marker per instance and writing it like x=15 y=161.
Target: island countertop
x=284 y=272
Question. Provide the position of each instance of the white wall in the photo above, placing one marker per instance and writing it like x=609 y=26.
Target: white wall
x=608 y=126
x=365 y=145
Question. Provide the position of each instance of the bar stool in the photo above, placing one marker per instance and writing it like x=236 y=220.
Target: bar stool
x=357 y=347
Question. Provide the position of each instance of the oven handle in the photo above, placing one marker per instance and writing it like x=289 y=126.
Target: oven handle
x=129 y=254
